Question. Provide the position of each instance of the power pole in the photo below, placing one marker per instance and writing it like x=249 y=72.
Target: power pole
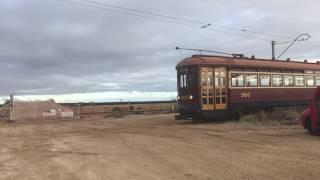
x=273 y=43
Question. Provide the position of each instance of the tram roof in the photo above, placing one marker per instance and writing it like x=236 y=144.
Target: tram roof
x=243 y=62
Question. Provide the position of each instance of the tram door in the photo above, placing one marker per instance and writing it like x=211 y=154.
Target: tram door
x=213 y=88
x=207 y=91
x=220 y=76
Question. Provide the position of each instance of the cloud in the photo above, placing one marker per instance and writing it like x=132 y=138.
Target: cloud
x=51 y=47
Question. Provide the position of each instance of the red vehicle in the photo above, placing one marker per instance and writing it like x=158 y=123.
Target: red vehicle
x=212 y=87
x=310 y=117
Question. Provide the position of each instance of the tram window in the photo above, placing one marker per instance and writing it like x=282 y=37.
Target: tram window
x=265 y=80
x=277 y=80
x=210 y=91
x=181 y=80
x=203 y=79
x=210 y=79
x=184 y=80
x=310 y=81
x=222 y=81
x=224 y=100
x=237 y=80
x=222 y=78
x=218 y=101
x=204 y=92
x=218 y=93
x=308 y=72
x=288 y=81
x=204 y=101
x=317 y=80
x=216 y=79
x=251 y=80
x=299 y=81
x=224 y=93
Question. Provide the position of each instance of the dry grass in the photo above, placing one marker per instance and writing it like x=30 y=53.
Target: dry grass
x=272 y=116
x=117 y=112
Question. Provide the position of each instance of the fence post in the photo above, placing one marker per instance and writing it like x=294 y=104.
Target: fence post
x=79 y=105
x=11 y=108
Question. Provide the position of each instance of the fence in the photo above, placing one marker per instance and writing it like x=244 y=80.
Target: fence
x=35 y=110
x=4 y=113
x=39 y=110
x=110 y=110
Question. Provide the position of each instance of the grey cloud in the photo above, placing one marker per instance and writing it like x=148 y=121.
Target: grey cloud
x=51 y=47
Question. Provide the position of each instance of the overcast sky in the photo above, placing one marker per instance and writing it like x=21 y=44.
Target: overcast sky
x=50 y=47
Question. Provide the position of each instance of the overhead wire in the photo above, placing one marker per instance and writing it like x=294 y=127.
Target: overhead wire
x=204 y=25
x=143 y=12
x=126 y=13
x=177 y=20
x=173 y=20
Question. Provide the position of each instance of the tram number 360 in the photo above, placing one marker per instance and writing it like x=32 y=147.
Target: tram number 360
x=245 y=95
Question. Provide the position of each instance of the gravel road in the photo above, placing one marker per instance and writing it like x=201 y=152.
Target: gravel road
x=155 y=147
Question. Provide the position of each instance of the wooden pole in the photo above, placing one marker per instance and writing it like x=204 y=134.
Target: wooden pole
x=11 y=118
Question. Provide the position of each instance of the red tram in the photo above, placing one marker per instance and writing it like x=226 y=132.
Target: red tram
x=213 y=86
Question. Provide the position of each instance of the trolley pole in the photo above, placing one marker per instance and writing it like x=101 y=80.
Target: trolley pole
x=300 y=38
x=273 y=43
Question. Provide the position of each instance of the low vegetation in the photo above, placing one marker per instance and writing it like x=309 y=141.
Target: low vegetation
x=272 y=116
x=117 y=112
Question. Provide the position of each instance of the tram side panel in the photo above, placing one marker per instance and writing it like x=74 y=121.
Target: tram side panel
x=243 y=98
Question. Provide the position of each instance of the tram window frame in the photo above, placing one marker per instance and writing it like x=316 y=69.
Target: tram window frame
x=248 y=83
x=317 y=78
x=295 y=81
x=285 y=78
x=260 y=80
x=274 y=78
x=237 y=80
x=309 y=78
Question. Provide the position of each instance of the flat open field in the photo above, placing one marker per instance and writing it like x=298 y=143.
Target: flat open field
x=156 y=147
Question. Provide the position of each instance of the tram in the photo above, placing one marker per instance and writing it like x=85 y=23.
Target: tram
x=213 y=87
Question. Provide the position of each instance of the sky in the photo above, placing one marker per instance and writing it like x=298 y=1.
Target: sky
x=79 y=53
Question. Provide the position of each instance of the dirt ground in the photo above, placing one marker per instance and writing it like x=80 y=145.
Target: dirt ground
x=156 y=147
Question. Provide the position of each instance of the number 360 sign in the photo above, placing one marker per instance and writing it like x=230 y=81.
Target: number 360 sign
x=245 y=95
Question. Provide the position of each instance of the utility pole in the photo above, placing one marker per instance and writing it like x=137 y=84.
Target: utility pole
x=273 y=43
